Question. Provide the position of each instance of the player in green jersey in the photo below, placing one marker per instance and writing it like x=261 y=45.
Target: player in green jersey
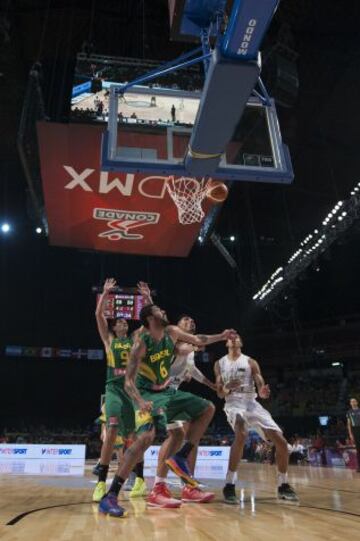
x=119 y=409
x=181 y=425
x=147 y=383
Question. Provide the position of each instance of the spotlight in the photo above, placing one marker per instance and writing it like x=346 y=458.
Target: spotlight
x=232 y=238
x=38 y=230
x=5 y=228
x=200 y=239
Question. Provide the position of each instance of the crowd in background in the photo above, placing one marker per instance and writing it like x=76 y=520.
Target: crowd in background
x=99 y=113
x=190 y=80
x=306 y=395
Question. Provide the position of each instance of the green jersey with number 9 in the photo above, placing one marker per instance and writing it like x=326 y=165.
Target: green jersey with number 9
x=154 y=369
x=117 y=358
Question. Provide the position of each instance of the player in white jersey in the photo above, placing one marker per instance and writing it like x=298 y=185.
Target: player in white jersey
x=183 y=367
x=237 y=377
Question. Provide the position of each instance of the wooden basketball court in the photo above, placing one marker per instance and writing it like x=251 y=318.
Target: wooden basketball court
x=59 y=508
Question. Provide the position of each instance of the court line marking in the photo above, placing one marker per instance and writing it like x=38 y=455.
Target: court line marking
x=23 y=515
x=271 y=500
x=332 y=489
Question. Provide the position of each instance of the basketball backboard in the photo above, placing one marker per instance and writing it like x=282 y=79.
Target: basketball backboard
x=149 y=129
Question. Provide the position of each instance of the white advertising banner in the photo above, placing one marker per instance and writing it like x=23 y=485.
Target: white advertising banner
x=38 y=466
x=211 y=462
x=20 y=451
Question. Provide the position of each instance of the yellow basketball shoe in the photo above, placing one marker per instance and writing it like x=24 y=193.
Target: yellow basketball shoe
x=139 y=489
x=99 y=492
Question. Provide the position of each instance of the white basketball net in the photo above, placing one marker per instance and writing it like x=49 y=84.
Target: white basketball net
x=188 y=194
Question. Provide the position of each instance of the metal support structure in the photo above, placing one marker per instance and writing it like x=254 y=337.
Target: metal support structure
x=33 y=110
x=215 y=239
x=264 y=92
x=231 y=44
x=167 y=68
x=205 y=42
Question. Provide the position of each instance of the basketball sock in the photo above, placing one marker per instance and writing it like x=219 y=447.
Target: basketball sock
x=231 y=477
x=159 y=480
x=103 y=472
x=282 y=478
x=116 y=485
x=185 y=450
x=139 y=469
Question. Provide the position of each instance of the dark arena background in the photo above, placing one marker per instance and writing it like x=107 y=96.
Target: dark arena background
x=277 y=259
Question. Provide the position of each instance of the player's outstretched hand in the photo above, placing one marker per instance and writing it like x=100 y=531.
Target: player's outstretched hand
x=110 y=283
x=264 y=392
x=143 y=289
x=229 y=334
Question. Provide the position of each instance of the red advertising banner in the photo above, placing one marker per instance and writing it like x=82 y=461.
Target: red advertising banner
x=107 y=211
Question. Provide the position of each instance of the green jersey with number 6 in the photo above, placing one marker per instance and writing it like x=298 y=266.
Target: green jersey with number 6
x=154 y=369
x=117 y=358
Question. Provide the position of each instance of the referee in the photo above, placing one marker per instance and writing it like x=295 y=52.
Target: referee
x=353 y=425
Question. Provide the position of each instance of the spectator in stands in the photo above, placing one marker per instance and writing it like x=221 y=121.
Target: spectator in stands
x=318 y=442
x=353 y=425
x=297 y=452
x=100 y=108
x=173 y=113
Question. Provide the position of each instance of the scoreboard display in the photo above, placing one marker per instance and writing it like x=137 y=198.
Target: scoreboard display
x=127 y=306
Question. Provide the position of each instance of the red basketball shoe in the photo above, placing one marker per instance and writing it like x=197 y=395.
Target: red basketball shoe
x=195 y=495
x=160 y=496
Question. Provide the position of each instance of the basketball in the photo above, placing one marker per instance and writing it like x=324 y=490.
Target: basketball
x=217 y=191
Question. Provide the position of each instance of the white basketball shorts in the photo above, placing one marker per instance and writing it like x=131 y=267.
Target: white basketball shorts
x=254 y=415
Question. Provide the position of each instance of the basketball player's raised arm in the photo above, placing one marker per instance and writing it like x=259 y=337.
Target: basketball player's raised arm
x=144 y=290
x=137 y=353
x=220 y=389
x=263 y=389
x=101 y=322
x=198 y=339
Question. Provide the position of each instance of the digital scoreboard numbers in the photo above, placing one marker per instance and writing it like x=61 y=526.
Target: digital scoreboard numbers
x=123 y=305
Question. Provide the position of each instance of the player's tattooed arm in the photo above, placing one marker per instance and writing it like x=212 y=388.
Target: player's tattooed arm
x=198 y=340
x=263 y=389
x=137 y=353
x=101 y=322
x=221 y=391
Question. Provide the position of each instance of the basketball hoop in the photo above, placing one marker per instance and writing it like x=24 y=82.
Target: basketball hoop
x=188 y=194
